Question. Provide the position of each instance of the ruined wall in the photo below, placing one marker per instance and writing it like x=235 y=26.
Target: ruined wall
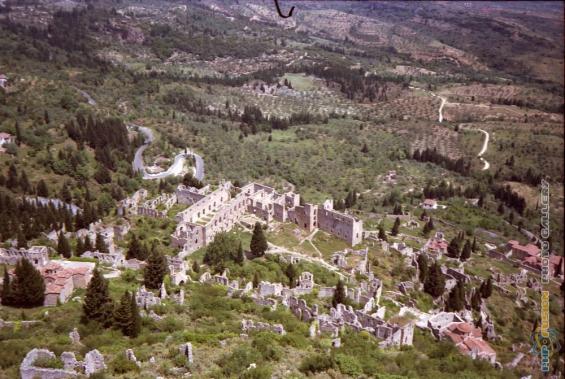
x=343 y=226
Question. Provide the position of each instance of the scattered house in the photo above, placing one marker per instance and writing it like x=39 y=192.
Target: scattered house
x=429 y=204
x=6 y=138
x=62 y=278
x=250 y=325
x=436 y=246
x=115 y=259
x=521 y=252
x=468 y=340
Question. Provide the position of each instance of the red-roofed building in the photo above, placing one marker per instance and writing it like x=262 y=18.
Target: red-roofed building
x=436 y=246
x=62 y=278
x=555 y=261
x=469 y=341
x=521 y=252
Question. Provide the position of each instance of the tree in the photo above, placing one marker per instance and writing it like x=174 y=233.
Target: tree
x=19 y=138
x=102 y=175
x=397 y=209
x=423 y=268
x=486 y=288
x=339 y=294
x=80 y=248
x=466 y=253
x=21 y=240
x=134 y=248
x=88 y=244
x=195 y=267
x=42 y=189
x=424 y=215
x=63 y=246
x=256 y=279
x=100 y=244
x=428 y=227
x=65 y=194
x=28 y=288
x=291 y=275
x=476 y=300
x=435 y=283
x=223 y=247
x=456 y=298
x=135 y=324
x=156 y=269
x=365 y=149
x=122 y=314
x=24 y=183
x=474 y=246
x=240 y=257
x=382 y=234
x=453 y=249
x=396 y=227
x=258 y=241
x=97 y=305
x=6 y=290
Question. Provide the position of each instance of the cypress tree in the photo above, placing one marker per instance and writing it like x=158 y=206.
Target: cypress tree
x=135 y=324
x=396 y=227
x=382 y=234
x=134 y=248
x=339 y=294
x=28 y=288
x=456 y=298
x=476 y=300
x=423 y=267
x=6 y=290
x=453 y=248
x=195 y=267
x=101 y=244
x=291 y=275
x=156 y=269
x=97 y=302
x=258 y=241
x=24 y=183
x=63 y=246
x=466 y=253
x=21 y=238
x=256 y=279
x=428 y=227
x=80 y=248
x=474 y=247
x=123 y=314
x=88 y=244
x=239 y=257
x=435 y=283
x=42 y=189
x=486 y=288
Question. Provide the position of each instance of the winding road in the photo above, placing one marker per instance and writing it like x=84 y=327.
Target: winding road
x=443 y=101
x=175 y=169
x=486 y=165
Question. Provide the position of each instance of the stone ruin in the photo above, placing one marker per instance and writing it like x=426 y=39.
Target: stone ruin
x=250 y=325
x=75 y=337
x=146 y=299
x=186 y=350
x=93 y=363
x=130 y=356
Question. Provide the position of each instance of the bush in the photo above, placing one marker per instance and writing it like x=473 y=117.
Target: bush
x=267 y=344
x=348 y=365
x=45 y=362
x=239 y=360
x=261 y=372
x=316 y=363
x=122 y=365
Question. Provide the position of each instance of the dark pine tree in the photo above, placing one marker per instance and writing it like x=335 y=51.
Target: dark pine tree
x=423 y=268
x=195 y=267
x=466 y=253
x=435 y=283
x=239 y=256
x=486 y=288
x=396 y=227
x=291 y=275
x=382 y=233
x=6 y=288
x=97 y=302
x=101 y=244
x=28 y=288
x=456 y=298
x=258 y=241
x=156 y=269
x=42 y=189
x=63 y=246
x=256 y=279
x=134 y=248
x=122 y=314
x=135 y=324
x=339 y=294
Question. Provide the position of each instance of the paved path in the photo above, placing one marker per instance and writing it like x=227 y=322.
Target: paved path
x=175 y=169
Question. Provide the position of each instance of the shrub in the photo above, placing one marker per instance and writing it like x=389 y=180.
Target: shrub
x=260 y=372
x=348 y=365
x=267 y=344
x=122 y=365
x=316 y=363
x=45 y=362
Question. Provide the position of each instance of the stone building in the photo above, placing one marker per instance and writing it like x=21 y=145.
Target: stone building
x=219 y=210
x=62 y=278
x=37 y=255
